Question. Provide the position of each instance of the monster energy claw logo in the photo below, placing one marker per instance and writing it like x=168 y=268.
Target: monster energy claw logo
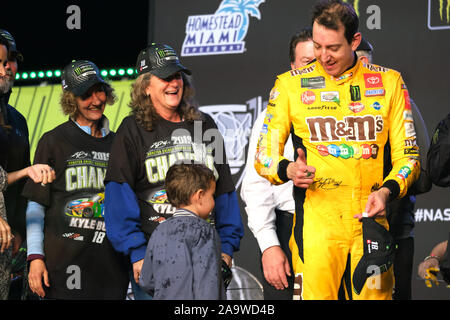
x=438 y=14
x=77 y=71
x=447 y=10
x=222 y=32
x=165 y=53
x=82 y=70
x=355 y=93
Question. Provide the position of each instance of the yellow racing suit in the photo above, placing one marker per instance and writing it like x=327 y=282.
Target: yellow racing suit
x=346 y=126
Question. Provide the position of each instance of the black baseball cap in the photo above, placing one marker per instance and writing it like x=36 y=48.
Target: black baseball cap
x=12 y=45
x=160 y=60
x=364 y=45
x=79 y=75
x=379 y=252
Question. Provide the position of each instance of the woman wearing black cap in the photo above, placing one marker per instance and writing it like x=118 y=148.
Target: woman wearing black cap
x=165 y=127
x=71 y=257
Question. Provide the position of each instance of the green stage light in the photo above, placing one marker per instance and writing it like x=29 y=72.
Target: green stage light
x=54 y=74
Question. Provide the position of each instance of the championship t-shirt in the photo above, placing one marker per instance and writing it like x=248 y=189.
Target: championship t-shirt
x=81 y=262
x=141 y=159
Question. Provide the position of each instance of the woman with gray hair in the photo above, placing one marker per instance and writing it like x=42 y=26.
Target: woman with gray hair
x=164 y=127
x=70 y=256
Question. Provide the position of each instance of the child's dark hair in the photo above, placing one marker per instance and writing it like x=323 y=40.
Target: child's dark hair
x=183 y=180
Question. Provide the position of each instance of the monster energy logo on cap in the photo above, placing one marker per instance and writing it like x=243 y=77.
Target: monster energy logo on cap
x=84 y=70
x=78 y=76
x=159 y=59
x=167 y=53
x=355 y=93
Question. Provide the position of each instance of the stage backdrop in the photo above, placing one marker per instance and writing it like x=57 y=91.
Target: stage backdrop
x=235 y=49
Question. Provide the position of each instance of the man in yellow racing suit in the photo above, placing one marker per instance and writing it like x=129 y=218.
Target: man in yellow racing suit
x=341 y=123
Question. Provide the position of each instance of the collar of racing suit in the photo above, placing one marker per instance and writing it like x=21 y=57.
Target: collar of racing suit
x=347 y=75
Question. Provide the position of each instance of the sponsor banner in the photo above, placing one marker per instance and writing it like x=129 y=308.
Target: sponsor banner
x=373 y=80
x=222 y=32
x=299 y=72
x=343 y=77
x=407 y=100
x=407 y=115
x=355 y=93
x=375 y=68
x=374 y=92
x=377 y=106
x=329 y=96
x=346 y=151
x=410 y=131
x=313 y=83
x=356 y=107
x=352 y=128
x=308 y=97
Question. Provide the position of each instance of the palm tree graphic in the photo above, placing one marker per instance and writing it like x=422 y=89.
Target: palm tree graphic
x=245 y=8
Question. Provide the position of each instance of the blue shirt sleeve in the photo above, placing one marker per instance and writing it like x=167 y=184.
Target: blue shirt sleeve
x=229 y=222
x=35 y=215
x=122 y=220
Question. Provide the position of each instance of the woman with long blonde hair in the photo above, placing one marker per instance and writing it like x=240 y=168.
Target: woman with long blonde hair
x=165 y=126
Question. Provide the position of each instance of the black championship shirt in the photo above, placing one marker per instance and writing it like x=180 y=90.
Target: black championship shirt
x=81 y=262
x=141 y=159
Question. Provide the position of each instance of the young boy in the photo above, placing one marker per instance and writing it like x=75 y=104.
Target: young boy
x=182 y=261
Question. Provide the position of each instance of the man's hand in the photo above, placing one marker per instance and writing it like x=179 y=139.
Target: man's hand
x=424 y=266
x=376 y=204
x=299 y=172
x=37 y=273
x=137 y=267
x=276 y=267
x=228 y=260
